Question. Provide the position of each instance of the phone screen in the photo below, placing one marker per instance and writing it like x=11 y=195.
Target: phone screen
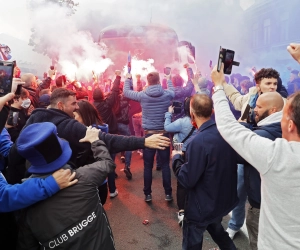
x=220 y=59
x=228 y=62
x=6 y=77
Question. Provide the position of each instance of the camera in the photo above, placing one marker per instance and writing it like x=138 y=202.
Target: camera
x=226 y=56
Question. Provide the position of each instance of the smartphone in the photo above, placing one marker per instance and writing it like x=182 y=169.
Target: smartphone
x=210 y=64
x=228 y=61
x=177 y=107
x=220 y=59
x=6 y=77
x=13 y=118
x=226 y=56
x=167 y=70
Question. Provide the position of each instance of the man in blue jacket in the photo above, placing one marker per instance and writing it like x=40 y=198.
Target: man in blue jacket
x=209 y=174
x=268 y=114
x=155 y=102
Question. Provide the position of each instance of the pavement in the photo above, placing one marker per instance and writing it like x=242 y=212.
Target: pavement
x=127 y=211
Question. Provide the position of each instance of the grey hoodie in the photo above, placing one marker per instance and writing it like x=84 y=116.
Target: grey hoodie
x=279 y=165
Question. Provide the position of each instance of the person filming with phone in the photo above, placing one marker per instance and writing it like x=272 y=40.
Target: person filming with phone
x=276 y=161
x=266 y=80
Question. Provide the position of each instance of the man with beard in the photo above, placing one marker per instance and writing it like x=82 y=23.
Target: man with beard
x=268 y=114
x=62 y=105
x=277 y=162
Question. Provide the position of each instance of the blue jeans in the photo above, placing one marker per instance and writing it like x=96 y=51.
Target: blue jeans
x=238 y=213
x=124 y=130
x=148 y=157
x=111 y=177
x=193 y=235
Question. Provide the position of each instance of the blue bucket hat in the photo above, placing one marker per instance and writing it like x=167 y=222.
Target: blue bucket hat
x=40 y=145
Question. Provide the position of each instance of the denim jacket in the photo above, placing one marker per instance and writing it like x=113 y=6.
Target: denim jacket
x=181 y=128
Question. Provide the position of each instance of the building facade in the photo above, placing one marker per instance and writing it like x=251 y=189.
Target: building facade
x=273 y=25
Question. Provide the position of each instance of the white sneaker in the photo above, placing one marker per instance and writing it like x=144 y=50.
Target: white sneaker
x=231 y=232
x=180 y=218
x=113 y=195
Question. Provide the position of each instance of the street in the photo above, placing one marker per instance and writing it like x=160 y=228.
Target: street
x=128 y=210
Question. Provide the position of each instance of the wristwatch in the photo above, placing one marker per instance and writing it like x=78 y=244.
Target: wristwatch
x=216 y=88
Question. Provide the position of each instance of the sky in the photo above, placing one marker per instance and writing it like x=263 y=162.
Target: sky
x=207 y=24
x=19 y=24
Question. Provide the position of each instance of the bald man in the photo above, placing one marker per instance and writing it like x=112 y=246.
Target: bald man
x=30 y=85
x=268 y=114
x=267 y=104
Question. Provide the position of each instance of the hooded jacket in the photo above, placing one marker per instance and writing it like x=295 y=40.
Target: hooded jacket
x=154 y=101
x=269 y=128
x=54 y=225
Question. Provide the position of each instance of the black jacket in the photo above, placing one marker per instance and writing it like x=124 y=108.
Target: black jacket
x=52 y=223
x=123 y=112
x=105 y=107
x=72 y=131
x=209 y=175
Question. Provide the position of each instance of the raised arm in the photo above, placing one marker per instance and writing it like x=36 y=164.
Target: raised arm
x=246 y=143
x=169 y=126
x=187 y=90
x=131 y=94
x=114 y=94
x=170 y=86
x=235 y=97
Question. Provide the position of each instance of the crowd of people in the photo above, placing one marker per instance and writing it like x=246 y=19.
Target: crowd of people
x=239 y=140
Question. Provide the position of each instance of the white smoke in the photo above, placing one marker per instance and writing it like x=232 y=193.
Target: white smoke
x=140 y=67
x=58 y=37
